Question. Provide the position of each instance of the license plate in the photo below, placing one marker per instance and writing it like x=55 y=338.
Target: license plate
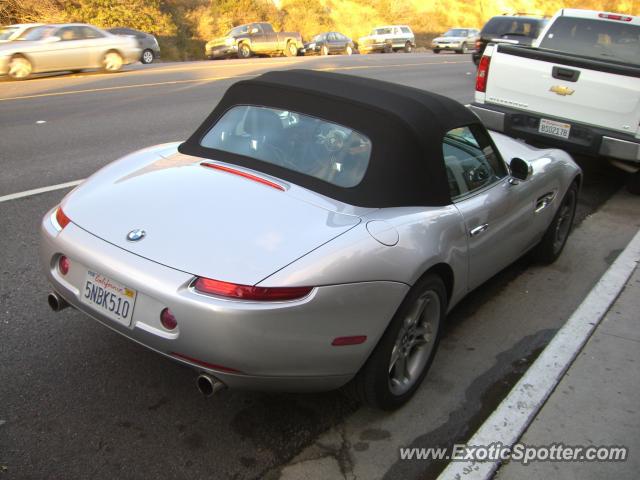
x=557 y=129
x=109 y=297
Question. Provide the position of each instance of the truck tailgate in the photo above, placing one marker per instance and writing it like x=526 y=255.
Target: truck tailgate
x=596 y=96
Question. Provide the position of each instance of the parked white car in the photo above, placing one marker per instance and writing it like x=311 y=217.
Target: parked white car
x=387 y=39
x=459 y=40
x=11 y=32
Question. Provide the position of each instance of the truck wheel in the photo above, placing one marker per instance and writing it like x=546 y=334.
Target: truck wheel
x=244 y=50
x=324 y=50
x=291 y=50
x=633 y=183
x=388 y=48
x=408 y=47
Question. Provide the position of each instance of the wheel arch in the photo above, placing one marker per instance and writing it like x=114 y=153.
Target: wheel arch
x=445 y=272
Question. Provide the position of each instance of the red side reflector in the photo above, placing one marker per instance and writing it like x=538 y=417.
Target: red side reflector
x=61 y=218
x=612 y=16
x=248 y=292
x=63 y=265
x=483 y=74
x=240 y=173
x=211 y=366
x=354 y=340
x=167 y=319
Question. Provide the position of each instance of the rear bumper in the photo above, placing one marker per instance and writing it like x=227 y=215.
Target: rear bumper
x=282 y=346
x=585 y=139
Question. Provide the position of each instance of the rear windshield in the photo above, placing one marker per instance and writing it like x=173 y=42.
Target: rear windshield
x=510 y=26
x=304 y=144
x=599 y=39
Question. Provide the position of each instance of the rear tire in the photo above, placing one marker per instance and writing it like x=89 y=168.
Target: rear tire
x=408 y=48
x=348 y=50
x=112 y=62
x=20 y=68
x=147 y=57
x=324 y=51
x=464 y=49
x=633 y=183
x=292 y=50
x=555 y=238
x=398 y=364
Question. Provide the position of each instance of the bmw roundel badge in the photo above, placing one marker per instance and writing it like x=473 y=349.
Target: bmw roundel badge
x=135 y=235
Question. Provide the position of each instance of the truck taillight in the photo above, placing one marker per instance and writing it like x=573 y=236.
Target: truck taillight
x=483 y=74
x=612 y=16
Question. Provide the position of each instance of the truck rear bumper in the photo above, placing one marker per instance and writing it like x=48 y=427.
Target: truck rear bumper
x=585 y=139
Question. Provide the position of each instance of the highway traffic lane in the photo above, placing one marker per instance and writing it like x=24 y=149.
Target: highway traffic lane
x=84 y=131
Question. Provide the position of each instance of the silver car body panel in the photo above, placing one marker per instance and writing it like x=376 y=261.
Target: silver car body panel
x=361 y=261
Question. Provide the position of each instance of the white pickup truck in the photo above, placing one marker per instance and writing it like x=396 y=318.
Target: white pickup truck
x=576 y=88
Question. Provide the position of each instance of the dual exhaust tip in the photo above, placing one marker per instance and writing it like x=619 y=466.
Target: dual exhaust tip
x=56 y=302
x=207 y=385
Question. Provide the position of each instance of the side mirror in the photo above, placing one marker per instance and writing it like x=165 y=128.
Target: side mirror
x=520 y=169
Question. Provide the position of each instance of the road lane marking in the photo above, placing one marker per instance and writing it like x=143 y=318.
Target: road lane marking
x=37 y=191
x=516 y=412
x=211 y=79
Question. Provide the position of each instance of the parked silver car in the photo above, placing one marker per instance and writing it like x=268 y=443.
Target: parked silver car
x=459 y=40
x=148 y=43
x=73 y=47
x=313 y=231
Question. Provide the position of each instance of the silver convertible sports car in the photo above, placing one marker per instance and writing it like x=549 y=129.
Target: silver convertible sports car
x=312 y=233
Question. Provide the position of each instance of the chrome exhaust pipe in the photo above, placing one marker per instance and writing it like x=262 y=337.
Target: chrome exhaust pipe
x=209 y=385
x=56 y=302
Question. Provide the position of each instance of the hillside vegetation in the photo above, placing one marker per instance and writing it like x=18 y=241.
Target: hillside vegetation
x=183 y=26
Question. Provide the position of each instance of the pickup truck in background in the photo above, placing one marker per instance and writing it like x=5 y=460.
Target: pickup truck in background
x=254 y=39
x=577 y=88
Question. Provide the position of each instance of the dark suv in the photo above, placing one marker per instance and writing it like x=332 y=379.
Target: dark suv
x=513 y=29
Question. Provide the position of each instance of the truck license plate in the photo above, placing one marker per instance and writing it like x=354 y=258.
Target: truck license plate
x=557 y=129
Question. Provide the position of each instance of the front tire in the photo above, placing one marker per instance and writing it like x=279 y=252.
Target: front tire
x=388 y=48
x=112 y=62
x=555 y=238
x=147 y=57
x=348 y=50
x=20 y=68
x=244 y=51
x=400 y=361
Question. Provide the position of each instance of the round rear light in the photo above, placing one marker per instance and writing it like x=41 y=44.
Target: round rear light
x=63 y=265
x=168 y=320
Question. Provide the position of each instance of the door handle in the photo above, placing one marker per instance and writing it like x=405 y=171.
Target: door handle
x=544 y=201
x=478 y=230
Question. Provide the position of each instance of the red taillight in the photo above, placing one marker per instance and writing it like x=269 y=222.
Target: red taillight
x=63 y=265
x=167 y=319
x=240 y=173
x=354 y=340
x=483 y=74
x=247 y=292
x=613 y=16
x=61 y=218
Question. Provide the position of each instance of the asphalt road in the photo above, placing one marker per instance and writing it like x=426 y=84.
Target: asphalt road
x=79 y=401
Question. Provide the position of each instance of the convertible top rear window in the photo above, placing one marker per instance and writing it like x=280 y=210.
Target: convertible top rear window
x=302 y=143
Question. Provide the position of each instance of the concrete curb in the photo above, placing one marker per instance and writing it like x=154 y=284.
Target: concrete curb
x=516 y=412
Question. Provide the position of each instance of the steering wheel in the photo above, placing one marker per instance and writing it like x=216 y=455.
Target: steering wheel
x=331 y=138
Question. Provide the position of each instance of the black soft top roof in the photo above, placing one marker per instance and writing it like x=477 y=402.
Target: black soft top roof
x=405 y=125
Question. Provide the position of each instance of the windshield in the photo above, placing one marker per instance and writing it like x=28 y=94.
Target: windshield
x=456 y=32
x=6 y=32
x=241 y=30
x=330 y=152
x=599 y=39
x=38 y=33
x=381 y=31
x=504 y=26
